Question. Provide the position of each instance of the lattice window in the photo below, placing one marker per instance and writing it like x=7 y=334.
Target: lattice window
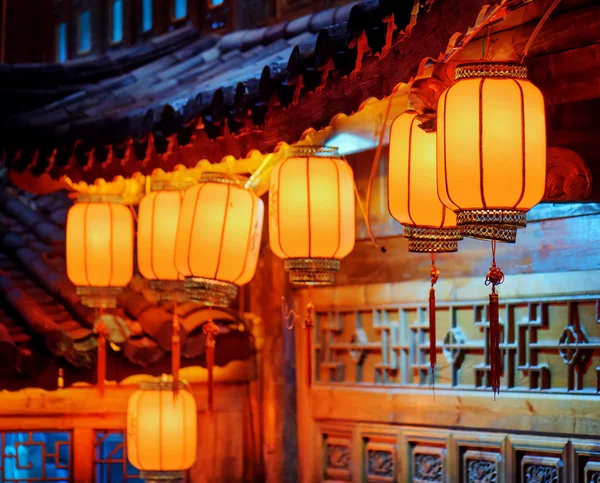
x=549 y=344
x=110 y=459
x=35 y=456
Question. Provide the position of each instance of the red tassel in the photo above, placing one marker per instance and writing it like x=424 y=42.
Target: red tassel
x=308 y=326
x=432 y=334
x=175 y=350
x=211 y=330
x=494 y=277
x=494 y=348
x=101 y=361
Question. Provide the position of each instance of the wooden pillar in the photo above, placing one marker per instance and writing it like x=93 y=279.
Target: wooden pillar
x=278 y=378
x=83 y=455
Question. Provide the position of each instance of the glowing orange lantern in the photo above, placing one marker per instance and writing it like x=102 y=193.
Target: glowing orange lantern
x=491 y=164
x=218 y=240
x=99 y=249
x=161 y=430
x=311 y=213
x=412 y=188
x=413 y=200
x=491 y=149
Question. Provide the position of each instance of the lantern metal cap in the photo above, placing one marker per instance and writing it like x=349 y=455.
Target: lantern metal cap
x=210 y=292
x=493 y=224
x=162 y=383
x=311 y=271
x=99 y=297
x=158 y=476
x=314 y=151
x=168 y=289
x=224 y=178
x=177 y=184
x=491 y=69
x=431 y=240
x=100 y=198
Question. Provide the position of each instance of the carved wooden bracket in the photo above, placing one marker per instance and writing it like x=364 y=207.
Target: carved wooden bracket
x=568 y=178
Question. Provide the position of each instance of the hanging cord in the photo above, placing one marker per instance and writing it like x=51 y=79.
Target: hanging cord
x=366 y=210
x=210 y=330
x=494 y=277
x=101 y=331
x=537 y=29
x=175 y=349
x=434 y=274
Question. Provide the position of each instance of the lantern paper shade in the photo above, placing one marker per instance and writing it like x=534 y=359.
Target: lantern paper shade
x=311 y=214
x=99 y=250
x=412 y=188
x=158 y=217
x=218 y=238
x=161 y=429
x=491 y=149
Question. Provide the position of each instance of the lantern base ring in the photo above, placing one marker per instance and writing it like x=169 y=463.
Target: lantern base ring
x=311 y=271
x=168 y=289
x=431 y=240
x=156 y=476
x=210 y=292
x=99 y=297
x=495 y=224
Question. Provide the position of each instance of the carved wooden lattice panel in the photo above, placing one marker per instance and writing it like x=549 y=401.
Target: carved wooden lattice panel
x=548 y=344
x=110 y=458
x=35 y=456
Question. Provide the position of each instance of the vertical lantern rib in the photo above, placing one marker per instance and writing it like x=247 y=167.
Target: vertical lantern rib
x=85 y=264
x=481 y=187
x=308 y=206
x=223 y=231
x=339 y=211
x=137 y=431
x=279 y=207
x=248 y=237
x=160 y=429
x=445 y=158
x=112 y=245
x=152 y=236
x=410 y=135
x=179 y=276
x=523 y=155
x=189 y=250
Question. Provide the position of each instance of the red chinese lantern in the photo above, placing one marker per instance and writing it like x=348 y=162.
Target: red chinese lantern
x=99 y=249
x=427 y=224
x=311 y=213
x=311 y=219
x=491 y=162
x=161 y=430
x=218 y=240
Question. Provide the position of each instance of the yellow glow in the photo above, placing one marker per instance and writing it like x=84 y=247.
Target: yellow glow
x=488 y=158
x=161 y=430
x=311 y=208
x=99 y=245
x=219 y=233
x=412 y=184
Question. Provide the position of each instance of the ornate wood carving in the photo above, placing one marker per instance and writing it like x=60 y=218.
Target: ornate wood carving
x=568 y=178
x=538 y=469
x=428 y=464
x=481 y=467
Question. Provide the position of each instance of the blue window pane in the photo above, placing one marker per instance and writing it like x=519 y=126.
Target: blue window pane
x=146 y=15
x=216 y=3
x=117 y=21
x=85 y=31
x=61 y=42
x=180 y=10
